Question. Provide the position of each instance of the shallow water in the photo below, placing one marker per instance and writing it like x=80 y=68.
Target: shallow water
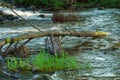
x=103 y=54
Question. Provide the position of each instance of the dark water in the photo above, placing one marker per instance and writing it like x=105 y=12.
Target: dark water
x=103 y=54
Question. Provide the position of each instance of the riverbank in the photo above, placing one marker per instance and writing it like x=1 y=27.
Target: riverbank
x=58 y=5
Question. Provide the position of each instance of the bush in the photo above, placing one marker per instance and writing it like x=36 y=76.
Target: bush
x=55 y=4
x=106 y=3
x=28 y=2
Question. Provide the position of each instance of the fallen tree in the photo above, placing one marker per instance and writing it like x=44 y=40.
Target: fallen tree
x=53 y=33
x=53 y=42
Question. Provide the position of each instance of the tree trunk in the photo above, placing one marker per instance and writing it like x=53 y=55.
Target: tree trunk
x=49 y=33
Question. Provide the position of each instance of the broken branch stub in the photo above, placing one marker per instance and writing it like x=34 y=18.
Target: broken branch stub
x=53 y=45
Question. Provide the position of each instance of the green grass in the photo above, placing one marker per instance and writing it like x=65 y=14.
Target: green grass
x=44 y=62
x=15 y=64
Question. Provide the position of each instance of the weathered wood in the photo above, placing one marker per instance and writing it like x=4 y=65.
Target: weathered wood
x=54 y=33
x=53 y=45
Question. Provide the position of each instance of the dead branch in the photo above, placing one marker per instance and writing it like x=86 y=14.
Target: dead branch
x=55 y=33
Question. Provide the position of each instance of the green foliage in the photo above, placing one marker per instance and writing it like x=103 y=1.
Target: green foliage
x=106 y=3
x=44 y=62
x=8 y=40
x=28 y=2
x=61 y=4
x=14 y=64
x=56 y=4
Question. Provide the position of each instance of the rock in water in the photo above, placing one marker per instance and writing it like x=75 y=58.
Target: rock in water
x=42 y=77
x=6 y=17
x=59 y=17
x=42 y=15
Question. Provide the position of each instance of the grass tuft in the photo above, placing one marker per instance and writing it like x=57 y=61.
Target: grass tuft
x=44 y=62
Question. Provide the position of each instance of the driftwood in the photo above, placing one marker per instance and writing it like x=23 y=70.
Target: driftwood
x=54 y=33
x=53 y=45
x=53 y=42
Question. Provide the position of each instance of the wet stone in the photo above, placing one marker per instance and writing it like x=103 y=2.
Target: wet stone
x=37 y=77
x=42 y=16
x=1 y=61
x=42 y=77
x=97 y=78
x=85 y=78
x=6 y=17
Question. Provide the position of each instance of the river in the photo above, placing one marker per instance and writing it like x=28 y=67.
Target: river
x=102 y=53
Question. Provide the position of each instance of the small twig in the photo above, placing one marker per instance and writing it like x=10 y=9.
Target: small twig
x=8 y=47
x=26 y=42
x=25 y=20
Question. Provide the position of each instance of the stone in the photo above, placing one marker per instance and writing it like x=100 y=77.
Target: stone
x=37 y=77
x=101 y=8
x=59 y=17
x=6 y=17
x=42 y=77
x=42 y=15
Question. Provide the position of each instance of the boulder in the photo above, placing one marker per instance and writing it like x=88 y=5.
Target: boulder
x=101 y=8
x=42 y=15
x=59 y=17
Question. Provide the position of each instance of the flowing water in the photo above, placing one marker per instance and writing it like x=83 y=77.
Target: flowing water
x=102 y=53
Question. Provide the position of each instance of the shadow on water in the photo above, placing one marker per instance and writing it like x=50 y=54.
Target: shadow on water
x=103 y=54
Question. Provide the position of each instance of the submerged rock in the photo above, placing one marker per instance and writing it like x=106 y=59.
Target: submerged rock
x=6 y=17
x=59 y=17
x=42 y=77
x=101 y=8
x=42 y=15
